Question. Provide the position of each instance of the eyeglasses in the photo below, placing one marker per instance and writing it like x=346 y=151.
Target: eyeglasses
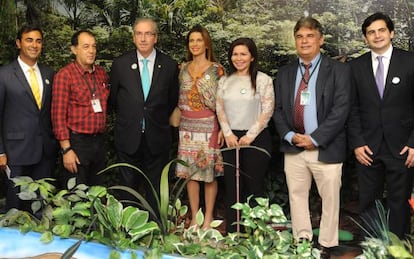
x=145 y=34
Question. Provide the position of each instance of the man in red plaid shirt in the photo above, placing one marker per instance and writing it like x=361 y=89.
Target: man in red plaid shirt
x=79 y=98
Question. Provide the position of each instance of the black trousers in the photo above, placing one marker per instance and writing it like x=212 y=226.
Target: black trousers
x=90 y=149
x=253 y=166
x=390 y=174
x=151 y=165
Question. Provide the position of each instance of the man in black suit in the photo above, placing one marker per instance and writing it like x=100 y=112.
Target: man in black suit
x=381 y=123
x=312 y=105
x=27 y=144
x=142 y=131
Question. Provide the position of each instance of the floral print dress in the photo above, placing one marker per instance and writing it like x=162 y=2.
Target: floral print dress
x=198 y=131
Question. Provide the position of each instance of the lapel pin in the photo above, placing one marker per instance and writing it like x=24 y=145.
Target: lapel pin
x=134 y=66
x=159 y=66
x=395 y=80
x=47 y=81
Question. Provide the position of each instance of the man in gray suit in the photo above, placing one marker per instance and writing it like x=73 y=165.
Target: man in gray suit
x=381 y=123
x=144 y=92
x=27 y=144
x=312 y=105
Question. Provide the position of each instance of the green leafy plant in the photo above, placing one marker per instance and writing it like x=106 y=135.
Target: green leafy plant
x=380 y=242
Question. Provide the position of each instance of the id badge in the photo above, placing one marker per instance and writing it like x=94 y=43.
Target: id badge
x=96 y=105
x=305 y=97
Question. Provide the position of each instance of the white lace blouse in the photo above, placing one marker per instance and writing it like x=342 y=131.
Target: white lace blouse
x=238 y=107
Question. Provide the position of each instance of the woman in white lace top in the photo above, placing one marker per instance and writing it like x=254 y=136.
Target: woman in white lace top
x=244 y=106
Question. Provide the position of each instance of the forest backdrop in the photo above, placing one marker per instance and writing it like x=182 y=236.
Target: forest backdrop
x=268 y=22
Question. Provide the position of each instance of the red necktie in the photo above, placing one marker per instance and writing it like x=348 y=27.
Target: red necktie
x=298 y=114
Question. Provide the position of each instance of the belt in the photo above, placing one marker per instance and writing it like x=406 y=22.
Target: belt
x=86 y=134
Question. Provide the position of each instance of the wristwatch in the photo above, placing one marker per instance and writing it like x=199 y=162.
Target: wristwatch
x=65 y=150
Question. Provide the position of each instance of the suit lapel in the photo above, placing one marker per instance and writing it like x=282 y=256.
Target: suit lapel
x=291 y=84
x=23 y=81
x=46 y=85
x=392 y=71
x=323 y=74
x=155 y=73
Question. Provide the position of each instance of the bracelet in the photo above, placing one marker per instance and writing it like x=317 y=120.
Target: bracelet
x=65 y=150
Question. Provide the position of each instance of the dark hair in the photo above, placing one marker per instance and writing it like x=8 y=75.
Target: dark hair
x=253 y=69
x=375 y=17
x=308 y=22
x=26 y=29
x=207 y=41
x=75 y=37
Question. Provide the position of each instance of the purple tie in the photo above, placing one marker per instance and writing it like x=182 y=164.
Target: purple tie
x=379 y=76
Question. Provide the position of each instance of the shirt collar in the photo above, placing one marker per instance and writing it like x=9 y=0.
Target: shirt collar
x=387 y=54
x=314 y=61
x=82 y=70
x=151 y=56
x=25 y=67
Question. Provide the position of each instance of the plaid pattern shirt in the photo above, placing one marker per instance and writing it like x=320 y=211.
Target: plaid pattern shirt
x=72 y=101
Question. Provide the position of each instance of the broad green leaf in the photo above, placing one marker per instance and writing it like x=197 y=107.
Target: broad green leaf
x=36 y=205
x=71 y=183
x=33 y=186
x=135 y=220
x=114 y=209
x=62 y=230
x=114 y=255
x=137 y=233
x=46 y=237
x=43 y=192
x=216 y=223
x=96 y=191
x=27 y=195
x=199 y=217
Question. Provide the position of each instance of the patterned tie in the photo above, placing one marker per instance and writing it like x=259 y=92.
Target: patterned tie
x=35 y=87
x=379 y=76
x=298 y=113
x=145 y=78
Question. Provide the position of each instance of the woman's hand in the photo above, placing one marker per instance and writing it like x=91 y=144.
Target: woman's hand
x=245 y=141
x=220 y=139
x=232 y=141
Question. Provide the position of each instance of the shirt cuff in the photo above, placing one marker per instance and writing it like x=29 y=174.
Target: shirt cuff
x=289 y=136
x=314 y=142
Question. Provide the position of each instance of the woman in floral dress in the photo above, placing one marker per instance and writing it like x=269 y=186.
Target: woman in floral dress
x=199 y=140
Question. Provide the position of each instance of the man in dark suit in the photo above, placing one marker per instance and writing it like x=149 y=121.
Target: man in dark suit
x=381 y=123
x=27 y=145
x=144 y=92
x=312 y=104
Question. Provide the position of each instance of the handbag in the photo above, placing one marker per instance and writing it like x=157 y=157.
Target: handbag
x=175 y=117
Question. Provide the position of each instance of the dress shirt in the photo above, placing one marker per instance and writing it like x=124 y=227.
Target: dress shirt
x=310 y=114
x=151 y=62
x=26 y=71
x=72 y=101
x=385 y=60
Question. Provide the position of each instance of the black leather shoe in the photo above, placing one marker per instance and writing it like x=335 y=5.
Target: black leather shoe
x=325 y=252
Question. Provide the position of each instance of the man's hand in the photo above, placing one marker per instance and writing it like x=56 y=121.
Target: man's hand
x=363 y=155
x=410 y=157
x=303 y=141
x=71 y=161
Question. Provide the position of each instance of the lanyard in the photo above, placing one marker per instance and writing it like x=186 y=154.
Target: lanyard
x=92 y=90
x=302 y=72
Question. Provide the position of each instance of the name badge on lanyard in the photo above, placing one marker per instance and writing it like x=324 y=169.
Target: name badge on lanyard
x=305 y=96
x=96 y=104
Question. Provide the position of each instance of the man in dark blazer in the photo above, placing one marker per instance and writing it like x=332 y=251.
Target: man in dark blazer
x=313 y=143
x=27 y=144
x=381 y=123
x=142 y=132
